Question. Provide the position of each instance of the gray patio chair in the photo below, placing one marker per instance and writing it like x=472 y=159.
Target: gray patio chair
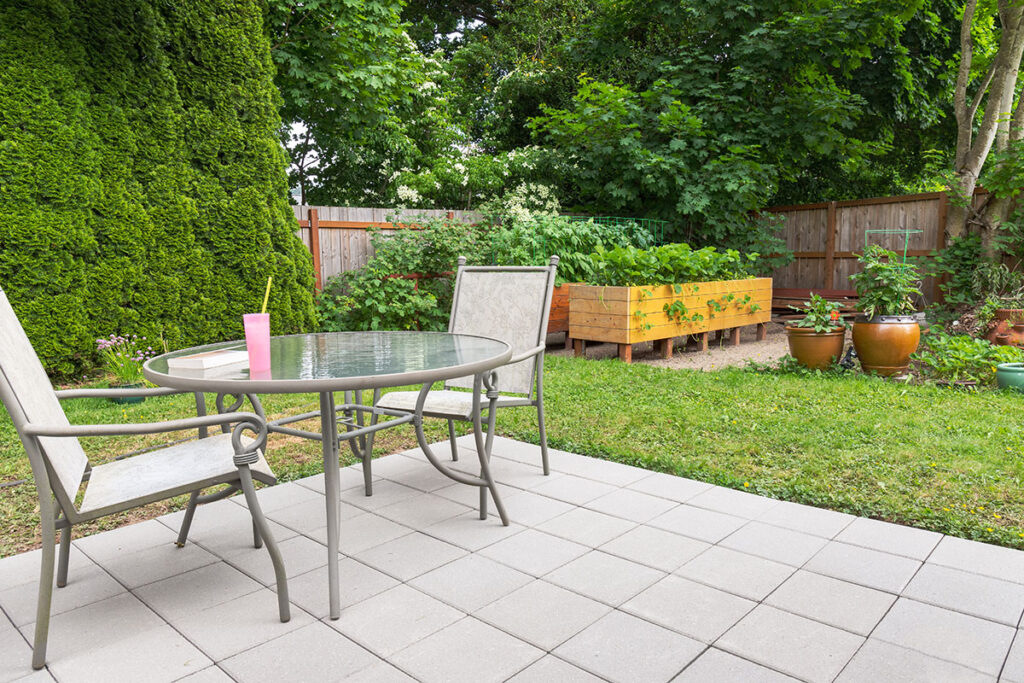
x=510 y=303
x=60 y=466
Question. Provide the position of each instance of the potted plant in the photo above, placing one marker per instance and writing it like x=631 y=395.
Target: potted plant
x=817 y=340
x=123 y=357
x=888 y=332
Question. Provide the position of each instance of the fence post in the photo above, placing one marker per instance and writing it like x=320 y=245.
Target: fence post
x=830 y=247
x=940 y=243
x=314 y=246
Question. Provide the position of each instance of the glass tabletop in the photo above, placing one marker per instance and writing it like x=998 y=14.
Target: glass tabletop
x=333 y=361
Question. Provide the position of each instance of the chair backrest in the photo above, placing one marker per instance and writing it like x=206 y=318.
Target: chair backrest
x=510 y=303
x=29 y=398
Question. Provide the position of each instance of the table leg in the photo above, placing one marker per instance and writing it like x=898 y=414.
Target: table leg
x=332 y=490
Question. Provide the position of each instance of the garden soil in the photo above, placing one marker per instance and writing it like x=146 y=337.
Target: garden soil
x=718 y=355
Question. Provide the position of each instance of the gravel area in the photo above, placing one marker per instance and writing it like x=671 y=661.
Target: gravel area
x=718 y=355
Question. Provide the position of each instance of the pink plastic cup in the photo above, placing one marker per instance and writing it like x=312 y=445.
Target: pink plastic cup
x=257 y=340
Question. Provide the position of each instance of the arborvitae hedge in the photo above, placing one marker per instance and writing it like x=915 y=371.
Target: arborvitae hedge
x=142 y=185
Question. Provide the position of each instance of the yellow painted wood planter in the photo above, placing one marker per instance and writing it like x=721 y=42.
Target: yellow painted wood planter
x=629 y=315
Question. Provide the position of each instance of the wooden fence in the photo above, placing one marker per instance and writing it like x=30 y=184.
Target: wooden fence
x=337 y=235
x=826 y=238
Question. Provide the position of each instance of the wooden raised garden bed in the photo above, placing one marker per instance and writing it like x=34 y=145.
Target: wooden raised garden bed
x=629 y=315
x=558 y=319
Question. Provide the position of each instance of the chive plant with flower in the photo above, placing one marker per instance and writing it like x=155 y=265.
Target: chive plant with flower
x=123 y=356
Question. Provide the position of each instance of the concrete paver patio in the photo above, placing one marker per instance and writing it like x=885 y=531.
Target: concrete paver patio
x=607 y=572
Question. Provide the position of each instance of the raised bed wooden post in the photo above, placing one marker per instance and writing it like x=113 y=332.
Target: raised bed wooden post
x=626 y=353
x=762 y=331
x=663 y=347
x=734 y=336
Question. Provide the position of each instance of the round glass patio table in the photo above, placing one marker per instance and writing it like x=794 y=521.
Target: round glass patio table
x=329 y=362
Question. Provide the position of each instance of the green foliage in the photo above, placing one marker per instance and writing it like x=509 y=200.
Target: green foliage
x=885 y=286
x=373 y=298
x=668 y=264
x=142 y=185
x=820 y=314
x=957 y=358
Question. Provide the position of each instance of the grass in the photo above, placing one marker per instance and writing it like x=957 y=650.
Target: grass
x=935 y=458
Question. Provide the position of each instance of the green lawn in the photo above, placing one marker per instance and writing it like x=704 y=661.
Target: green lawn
x=937 y=458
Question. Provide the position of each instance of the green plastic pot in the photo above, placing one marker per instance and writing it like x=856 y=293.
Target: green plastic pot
x=1010 y=376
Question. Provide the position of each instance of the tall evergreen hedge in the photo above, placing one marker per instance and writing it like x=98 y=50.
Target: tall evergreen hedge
x=142 y=184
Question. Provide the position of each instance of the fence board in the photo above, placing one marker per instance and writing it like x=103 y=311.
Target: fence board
x=825 y=259
x=344 y=239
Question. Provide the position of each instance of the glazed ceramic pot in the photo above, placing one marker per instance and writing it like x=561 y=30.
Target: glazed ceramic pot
x=815 y=350
x=884 y=343
x=1010 y=376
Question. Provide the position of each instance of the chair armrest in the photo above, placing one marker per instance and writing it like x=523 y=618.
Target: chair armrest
x=526 y=354
x=112 y=392
x=31 y=429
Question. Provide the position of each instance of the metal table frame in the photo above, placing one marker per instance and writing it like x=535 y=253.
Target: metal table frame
x=358 y=432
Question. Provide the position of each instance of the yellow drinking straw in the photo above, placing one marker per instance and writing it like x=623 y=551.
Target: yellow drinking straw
x=266 y=297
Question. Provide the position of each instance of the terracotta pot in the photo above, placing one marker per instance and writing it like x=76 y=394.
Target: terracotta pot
x=884 y=343
x=1003 y=320
x=815 y=350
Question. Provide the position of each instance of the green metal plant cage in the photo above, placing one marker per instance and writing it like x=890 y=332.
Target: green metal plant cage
x=904 y=232
x=655 y=227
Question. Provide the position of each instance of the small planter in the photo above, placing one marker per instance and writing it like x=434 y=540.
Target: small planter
x=1010 y=376
x=884 y=343
x=815 y=350
x=127 y=400
x=1005 y=322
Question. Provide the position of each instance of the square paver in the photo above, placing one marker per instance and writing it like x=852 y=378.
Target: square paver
x=312 y=514
x=129 y=539
x=606 y=471
x=587 y=527
x=620 y=647
x=808 y=519
x=973 y=594
x=210 y=674
x=691 y=608
x=15 y=653
x=240 y=624
x=470 y=532
x=530 y=509
x=718 y=666
x=575 y=490
x=534 y=552
x=468 y=651
x=416 y=473
x=196 y=590
x=831 y=601
x=866 y=567
x=735 y=572
x=632 y=505
x=656 y=548
x=542 y=614
x=704 y=525
x=158 y=654
x=363 y=532
x=669 y=486
x=604 y=577
x=278 y=496
x=733 y=502
x=511 y=474
x=395 y=619
x=357 y=582
x=471 y=582
x=96 y=625
x=313 y=652
x=87 y=583
x=976 y=643
x=890 y=538
x=775 y=543
x=384 y=493
x=134 y=569
x=300 y=554
x=422 y=510
x=550 y=669
x=1013 y=669
x=350 y=477
x=791 y=644
x=979 y=558
x=409 y=556
x=877 y=659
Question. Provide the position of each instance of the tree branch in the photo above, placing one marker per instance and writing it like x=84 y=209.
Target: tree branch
x=980 y=94
x=963 y=120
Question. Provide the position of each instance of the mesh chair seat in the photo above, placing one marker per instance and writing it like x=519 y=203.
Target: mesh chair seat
x=166 y=472
x=445 y=403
